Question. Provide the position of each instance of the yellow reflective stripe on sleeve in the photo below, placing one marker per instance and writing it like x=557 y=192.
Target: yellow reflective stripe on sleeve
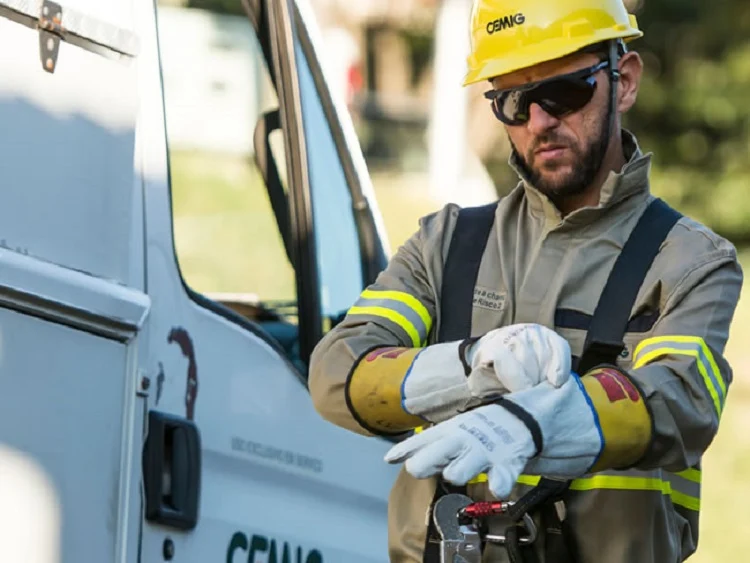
x=530 y=480
x=392 y=316
x=691 y=474
x=685 y=501
x=402 y=309
x=404 y=298
x=652 y=348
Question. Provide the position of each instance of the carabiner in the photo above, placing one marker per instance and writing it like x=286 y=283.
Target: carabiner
x=485 y=509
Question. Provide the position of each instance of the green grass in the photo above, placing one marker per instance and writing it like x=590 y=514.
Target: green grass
x=227 y=241
x=225 y=233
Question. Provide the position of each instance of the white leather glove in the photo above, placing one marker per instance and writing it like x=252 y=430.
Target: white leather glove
x=445 y=377
x=501 y=439
x=518 y=357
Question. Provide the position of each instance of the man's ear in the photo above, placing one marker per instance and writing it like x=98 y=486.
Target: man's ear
x=631 y=69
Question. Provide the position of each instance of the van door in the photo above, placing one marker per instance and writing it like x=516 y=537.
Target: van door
x=238 y=466
x=72 y=281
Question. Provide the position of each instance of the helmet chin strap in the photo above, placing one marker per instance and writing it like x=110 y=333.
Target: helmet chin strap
x=614 y=80
x=613 y=48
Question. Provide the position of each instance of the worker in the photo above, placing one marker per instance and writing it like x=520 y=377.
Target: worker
x=482 y=355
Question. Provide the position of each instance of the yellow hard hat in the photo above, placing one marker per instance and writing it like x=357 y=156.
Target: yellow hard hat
x=508 y=35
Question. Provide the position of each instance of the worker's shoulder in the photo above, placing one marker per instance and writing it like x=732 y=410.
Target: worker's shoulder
x=692 y=241
x=439 y=220
x=693 y=250
x=436 y=229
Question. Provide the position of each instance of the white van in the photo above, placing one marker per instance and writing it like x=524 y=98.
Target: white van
x=141 y=420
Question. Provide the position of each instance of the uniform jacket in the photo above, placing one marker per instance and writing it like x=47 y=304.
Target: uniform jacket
x=539 y=267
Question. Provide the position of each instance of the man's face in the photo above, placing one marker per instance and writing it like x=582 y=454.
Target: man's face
x=561 y=156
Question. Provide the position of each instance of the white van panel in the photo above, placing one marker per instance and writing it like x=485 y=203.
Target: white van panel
x=64 y=398
x=71 y=297
x=272 y=468
x=66 y=148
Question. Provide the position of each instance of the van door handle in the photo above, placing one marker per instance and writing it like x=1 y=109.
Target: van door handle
x=172 y=471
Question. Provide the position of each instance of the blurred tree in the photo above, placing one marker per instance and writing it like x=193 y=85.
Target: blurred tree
x=693 y=110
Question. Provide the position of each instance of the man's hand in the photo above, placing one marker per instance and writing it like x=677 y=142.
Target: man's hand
x=517 y=357
x=392 y=390
x=501 y=439
x=444 y=378
x=488 y=438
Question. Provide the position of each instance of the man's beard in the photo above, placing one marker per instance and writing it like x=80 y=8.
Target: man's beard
x=587 y=164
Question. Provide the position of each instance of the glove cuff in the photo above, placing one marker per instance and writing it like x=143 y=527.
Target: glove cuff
x=623 y=415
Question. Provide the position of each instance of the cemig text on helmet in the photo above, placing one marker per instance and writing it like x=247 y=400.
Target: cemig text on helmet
x=502 y=23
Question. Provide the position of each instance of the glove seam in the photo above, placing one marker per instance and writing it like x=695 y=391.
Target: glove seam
x=527 y=419
x=402 y=388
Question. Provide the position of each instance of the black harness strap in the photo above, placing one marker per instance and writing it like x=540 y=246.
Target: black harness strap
x=461 y=269
x=460 y=272
x=604 y=339
x=603 y=345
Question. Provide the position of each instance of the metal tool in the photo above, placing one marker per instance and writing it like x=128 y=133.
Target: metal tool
x=459 y=543
x=456 y=520
x=478 y=510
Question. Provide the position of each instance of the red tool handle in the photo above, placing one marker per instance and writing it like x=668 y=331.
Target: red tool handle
x=483 y=509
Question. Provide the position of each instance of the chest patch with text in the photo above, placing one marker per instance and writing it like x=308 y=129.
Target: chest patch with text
x=490 y=299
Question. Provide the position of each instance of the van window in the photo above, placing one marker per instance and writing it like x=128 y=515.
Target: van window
x=338 y=247
x=228 y=243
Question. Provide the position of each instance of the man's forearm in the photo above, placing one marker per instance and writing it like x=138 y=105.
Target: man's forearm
x=374 y=390
x=624 y=420
x=330 y=364
x=393 y=389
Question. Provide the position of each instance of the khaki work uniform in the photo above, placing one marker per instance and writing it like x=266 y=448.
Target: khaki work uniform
x=540 y=268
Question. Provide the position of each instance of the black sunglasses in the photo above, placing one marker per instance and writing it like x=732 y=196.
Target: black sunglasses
x=558 y=96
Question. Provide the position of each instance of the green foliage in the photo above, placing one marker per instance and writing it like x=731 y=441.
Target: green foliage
x=693 y=111
x=421 y=46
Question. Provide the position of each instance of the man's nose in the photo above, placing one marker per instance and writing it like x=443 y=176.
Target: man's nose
x=540 y=121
